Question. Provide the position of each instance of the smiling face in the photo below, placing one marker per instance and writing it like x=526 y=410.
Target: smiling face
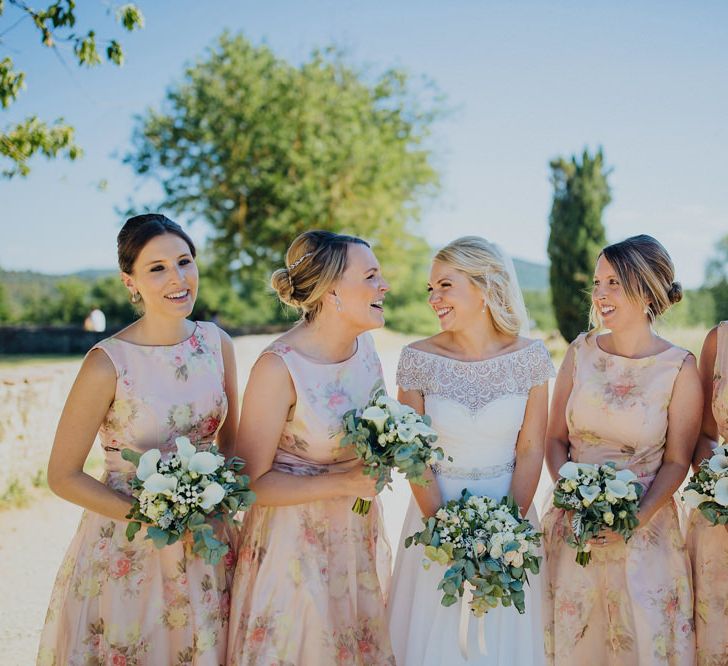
x=457 y=302
x=613 y=307
x=165 y=274
x=360 y=290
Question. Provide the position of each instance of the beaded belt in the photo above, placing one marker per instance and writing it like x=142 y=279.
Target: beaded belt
x=473 y=473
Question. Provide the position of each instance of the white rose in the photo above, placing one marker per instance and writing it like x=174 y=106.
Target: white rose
x=608 y=517
x=514 y=558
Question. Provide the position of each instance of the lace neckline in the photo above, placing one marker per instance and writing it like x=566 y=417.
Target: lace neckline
x=482 y=360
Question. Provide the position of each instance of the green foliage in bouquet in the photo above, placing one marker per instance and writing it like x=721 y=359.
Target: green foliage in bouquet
x=388 y=435
x=187 y=492
x=707 y=489
x=486 y=545
x=600 y=497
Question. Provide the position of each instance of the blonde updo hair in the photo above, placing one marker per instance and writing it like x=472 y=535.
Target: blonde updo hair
x=646 y=273
x=314 y=261
x=483 y=264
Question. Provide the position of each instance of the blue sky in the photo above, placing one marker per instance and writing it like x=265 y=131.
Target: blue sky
x=528 y=81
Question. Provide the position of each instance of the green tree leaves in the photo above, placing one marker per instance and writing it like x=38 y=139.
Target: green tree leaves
x=262 y=150
x=20 y=142
x=581 y=193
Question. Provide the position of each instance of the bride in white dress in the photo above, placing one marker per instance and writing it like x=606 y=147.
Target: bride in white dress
x=486 y=389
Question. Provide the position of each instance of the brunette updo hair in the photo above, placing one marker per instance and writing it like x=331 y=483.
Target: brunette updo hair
x=481 y=261
x=646 y=272
x=139 y=230
x=314 y=261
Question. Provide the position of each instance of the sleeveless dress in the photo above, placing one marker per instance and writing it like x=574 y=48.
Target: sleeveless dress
x=477 y=408
x=308 y=587
x=126 y=603
x=632 y=604
x=708 y=545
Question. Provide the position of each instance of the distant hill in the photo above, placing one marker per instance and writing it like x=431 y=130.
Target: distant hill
x=22 y=286
x=532 y=276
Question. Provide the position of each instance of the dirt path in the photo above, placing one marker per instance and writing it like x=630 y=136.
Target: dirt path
x=33 y=540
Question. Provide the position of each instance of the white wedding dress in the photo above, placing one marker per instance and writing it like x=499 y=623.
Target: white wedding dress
x=477 y=408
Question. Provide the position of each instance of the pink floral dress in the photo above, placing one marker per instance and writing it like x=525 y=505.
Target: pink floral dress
x=308 y=586
x=708 y=545
x=632 y=604
x=123 y=603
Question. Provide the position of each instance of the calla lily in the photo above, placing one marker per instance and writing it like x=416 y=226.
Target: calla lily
x=721 y=491
x=617 y=488
x=569 y=470
x=376 y=415
x=158 y=483
x=722 y=450
x=148 y=464
x=589 y=493
x=626 y=475
x=185 y=448
x=203 y=462
x=718 y=464
x=694 y=499
x=211 y=495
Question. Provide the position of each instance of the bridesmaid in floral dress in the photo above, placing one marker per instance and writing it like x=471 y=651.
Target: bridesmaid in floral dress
x=115 y=601
x=310 y=572
x=634 y=398
x=708 y=545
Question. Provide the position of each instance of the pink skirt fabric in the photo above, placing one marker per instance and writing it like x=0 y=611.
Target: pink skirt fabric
x=630 y=606
x=122 y=603
x=308 y=587
x=708 y=548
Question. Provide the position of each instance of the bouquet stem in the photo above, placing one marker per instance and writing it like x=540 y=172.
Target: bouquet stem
x=583 y=557
x=361 y=506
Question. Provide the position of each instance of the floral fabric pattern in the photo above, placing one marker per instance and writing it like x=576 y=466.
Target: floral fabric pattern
x=632 y=604
x=708 y=545
x=309 y=581
x=123 y=603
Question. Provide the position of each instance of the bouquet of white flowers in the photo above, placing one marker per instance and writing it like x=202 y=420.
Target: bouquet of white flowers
x=488 y=549
x=601 y=498
x=389 y=435
x=707 y=489
x=185 y=492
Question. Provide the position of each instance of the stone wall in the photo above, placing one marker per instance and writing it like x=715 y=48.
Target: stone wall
x=31 y=400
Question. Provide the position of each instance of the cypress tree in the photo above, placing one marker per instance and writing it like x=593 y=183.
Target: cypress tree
x=581 y=193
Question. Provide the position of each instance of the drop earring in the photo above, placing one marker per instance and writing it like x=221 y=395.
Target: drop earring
x=338 y=304
x=135 y=298
x=483 y=310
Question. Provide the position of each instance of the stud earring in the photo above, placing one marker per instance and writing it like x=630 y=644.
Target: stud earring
x=135 y=298
x=647 y=309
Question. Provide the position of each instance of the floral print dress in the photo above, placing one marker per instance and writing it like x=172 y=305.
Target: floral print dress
x=632 y=604
x=708 y=545
x=123 y=603
x=309 y=581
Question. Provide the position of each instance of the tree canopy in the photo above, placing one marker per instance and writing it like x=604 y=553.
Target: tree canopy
x=581 y=193
x=56 y=28
x=262 y=150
